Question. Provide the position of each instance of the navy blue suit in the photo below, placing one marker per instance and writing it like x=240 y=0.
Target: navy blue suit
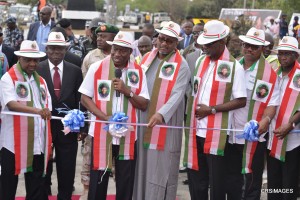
x=33 y=29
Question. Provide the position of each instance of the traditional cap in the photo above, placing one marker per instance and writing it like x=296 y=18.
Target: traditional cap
x=57 y=39
x=214 y=30
x=11 y=20
x=64 y=23
x=255 y=36
x=124 y=39
x=171 y=29
x=29 y=49
x=288 y=43
x=107 y=28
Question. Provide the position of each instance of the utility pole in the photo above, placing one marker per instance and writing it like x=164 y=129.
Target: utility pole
x=245 y=2
x=111 y=12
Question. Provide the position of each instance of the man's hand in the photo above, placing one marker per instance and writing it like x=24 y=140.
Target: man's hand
x=45 y=113
x=81 y=136
x=157 y=118
x=283 y=130
x=202 y=111
x=120 y=86
x=263 y=126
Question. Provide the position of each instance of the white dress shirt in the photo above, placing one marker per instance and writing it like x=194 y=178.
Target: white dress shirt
x=87 y=88
x=52 y=70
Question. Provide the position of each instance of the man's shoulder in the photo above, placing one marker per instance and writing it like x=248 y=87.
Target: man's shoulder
x=71 y=66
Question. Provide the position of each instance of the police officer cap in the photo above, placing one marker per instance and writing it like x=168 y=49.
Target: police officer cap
x=96 y=22
x=11 y=20
x=64 y=23
x=108 y=28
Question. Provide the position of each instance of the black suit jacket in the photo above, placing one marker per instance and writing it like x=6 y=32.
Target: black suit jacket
x=69 y=95
x=181 y=43
x=9 y=52
x=33 y=29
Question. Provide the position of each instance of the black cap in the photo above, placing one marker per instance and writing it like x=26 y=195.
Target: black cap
x=64 y=23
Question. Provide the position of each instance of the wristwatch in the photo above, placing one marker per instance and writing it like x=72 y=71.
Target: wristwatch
x=130 y=94
x=213 y=110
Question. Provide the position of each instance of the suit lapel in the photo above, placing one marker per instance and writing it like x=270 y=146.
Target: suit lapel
x=64 y=80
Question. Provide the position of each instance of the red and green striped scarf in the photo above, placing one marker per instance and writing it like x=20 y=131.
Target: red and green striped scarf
x=256 y=109
x=221 y=92
x=24 y=127
x=289 y=105
x=102 y=139
x=155 y=137
x=190 y=158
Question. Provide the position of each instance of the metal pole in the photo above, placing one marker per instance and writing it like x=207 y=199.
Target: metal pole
x=253 y=4
x=245 y=2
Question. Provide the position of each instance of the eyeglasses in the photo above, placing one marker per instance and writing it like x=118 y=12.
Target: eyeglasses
x=168 y=41
x=247 y=46
x=197 y=32
x=285 y=54
x=41 y=13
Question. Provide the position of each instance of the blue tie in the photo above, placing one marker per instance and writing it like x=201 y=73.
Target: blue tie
x=187 y=41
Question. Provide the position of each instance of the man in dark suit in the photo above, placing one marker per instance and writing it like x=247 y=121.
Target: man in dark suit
x=188 y=36
x=63 y=80
x=8 y=51
x=40 y=30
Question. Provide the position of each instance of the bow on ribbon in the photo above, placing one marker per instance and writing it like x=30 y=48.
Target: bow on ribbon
x=73 y=120
x=250 y=131
x=118 y=130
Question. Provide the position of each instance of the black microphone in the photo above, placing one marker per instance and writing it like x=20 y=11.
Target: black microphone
x=118 y=74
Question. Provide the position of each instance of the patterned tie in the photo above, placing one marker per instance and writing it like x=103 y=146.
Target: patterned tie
x=187 y=41
x=56 y=82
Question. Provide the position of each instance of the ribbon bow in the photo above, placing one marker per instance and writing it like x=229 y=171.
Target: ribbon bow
x=118 y=130
x=250 y=131
x=73 y=120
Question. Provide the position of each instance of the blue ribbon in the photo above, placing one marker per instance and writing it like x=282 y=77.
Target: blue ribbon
x=117 y=117
x=73 y=120
x=250 y=132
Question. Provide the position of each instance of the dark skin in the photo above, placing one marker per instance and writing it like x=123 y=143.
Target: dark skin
x=197 y=29
x=287 y=61
x=251 y=55
x=267 y=50
x=102 y=37
x=29 y=65
x=165 y=45
x=214 y=51
x=11 y=26
x=45 y=14
x=56 y=54
x=120 y=56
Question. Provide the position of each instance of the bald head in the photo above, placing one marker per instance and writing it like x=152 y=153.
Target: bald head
x=267 y=50
x=144 y=44
x=45 y=14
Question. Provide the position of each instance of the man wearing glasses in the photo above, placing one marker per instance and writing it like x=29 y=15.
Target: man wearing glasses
x=209 y=110
x=159 y=148
x=197 y=30
x=284 y=146
x=39 y=31
x=262 y=100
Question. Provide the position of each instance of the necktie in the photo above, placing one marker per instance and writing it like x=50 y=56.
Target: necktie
x=187 y=41
x=56 y=82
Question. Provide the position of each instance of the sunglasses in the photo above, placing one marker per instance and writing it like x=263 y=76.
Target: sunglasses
x=285 y=54
x=197 y=32
x=163 y=39
x=247 y=46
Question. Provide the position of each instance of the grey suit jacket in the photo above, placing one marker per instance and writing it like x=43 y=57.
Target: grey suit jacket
x=33 y=29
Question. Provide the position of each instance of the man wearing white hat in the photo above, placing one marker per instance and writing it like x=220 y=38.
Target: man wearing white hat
x=63 y=80
x=246 y=156
x=284 y=146
x=108 y=89
x=159 y=148
x=218 y=94
x=25 y=142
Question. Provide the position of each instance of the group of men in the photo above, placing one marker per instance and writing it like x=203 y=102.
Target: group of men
x=217 y=94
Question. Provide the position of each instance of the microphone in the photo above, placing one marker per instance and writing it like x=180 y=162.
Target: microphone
x=118 y=74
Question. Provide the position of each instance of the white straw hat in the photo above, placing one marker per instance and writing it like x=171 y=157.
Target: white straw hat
x=214 y=30
x=56 y=39
x=124 y=39
x=171 y=29
x=288 y=43
x=255 y=36
x=29 y=49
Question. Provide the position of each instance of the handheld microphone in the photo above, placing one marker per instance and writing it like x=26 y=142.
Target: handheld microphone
x=118 y=74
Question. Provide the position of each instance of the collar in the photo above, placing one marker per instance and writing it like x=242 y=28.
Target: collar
x=252 y=67
x=0 y=47
x=60 y=66
x=49 y=23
